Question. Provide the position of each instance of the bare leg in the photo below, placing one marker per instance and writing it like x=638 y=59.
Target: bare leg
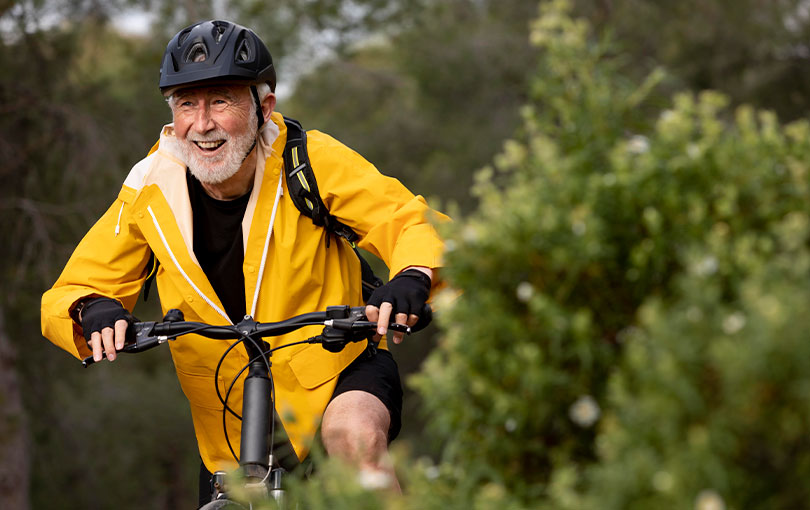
x=355 y=428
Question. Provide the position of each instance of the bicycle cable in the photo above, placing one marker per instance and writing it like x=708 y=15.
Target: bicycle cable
x=263 y=356
x=234 y=380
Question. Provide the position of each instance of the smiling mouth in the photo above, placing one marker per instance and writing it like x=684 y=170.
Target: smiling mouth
x=210 y=146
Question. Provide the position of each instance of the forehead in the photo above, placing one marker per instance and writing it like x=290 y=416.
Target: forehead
x=230 y=91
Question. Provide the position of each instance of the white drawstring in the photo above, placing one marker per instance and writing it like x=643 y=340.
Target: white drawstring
x=118 y=225
x=279 y=192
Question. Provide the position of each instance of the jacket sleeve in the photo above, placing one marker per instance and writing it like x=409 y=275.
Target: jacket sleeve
x=109 y=261
x=392 y=223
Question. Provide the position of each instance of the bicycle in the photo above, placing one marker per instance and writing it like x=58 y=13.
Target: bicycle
x=260 y=470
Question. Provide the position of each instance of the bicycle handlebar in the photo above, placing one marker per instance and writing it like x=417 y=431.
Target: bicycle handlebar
x=342 y=324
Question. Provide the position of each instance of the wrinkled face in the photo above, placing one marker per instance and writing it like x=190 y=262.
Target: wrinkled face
x=215 y=128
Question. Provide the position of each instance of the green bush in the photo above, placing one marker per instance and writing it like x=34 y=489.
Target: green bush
x=629 y=329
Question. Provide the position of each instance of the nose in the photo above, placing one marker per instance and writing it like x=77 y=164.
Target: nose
x=203 y=122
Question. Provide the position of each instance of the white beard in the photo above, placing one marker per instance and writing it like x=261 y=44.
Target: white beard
x=215 y=170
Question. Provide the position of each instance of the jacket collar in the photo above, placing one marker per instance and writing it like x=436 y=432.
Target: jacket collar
x=165 y=216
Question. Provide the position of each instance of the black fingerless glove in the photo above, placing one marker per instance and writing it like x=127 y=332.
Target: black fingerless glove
x=407 y=292
x=100 y=313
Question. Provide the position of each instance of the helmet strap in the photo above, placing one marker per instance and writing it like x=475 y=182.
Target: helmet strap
x=259 y=112
x=250 y=150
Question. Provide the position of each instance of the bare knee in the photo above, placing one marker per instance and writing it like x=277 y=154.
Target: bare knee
x=355 y=427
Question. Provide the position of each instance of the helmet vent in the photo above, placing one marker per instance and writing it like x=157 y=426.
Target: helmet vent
x=244 y=53
x=197 y=53
x=219 y=30
x=183 y=36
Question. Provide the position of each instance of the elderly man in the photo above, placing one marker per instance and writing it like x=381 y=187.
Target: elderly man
x=210 y=203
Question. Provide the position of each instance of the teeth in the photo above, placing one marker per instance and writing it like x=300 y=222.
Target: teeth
x=210 y=145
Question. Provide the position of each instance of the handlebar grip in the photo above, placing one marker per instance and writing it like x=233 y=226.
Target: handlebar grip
x=86 y=362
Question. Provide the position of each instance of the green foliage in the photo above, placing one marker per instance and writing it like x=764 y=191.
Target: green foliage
x=426 y=487
x=711 y=400
x=651 y=273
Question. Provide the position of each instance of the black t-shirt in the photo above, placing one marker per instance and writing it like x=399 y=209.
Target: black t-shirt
x=218 y=244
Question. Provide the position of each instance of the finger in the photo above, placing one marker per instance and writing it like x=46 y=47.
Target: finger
x=399 y=318
x=385 y=316
x=412 y=320
x=372 y=313
x=107 y=335
x=120 y=333
x=95 y=345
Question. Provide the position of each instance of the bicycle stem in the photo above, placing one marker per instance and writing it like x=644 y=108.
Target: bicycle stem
x=256 y=403
x=256 y=407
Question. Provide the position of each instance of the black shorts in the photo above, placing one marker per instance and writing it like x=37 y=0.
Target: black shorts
x=376 y=374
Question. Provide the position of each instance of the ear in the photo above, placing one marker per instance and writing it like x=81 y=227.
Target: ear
x=268 y=105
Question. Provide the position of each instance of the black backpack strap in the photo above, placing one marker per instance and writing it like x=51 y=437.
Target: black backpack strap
x=370 y=280
x=303 y=187
x=151 y=273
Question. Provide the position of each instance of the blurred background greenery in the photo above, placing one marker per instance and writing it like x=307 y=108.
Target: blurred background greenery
x=626 y=320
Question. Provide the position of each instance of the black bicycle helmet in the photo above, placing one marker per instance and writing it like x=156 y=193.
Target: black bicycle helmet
x=216 y=51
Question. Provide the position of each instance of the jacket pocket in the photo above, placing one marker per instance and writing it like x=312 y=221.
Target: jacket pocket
x=313 y=365
x=200 y=390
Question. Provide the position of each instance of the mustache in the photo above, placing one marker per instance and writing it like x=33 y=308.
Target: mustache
x=211 y=136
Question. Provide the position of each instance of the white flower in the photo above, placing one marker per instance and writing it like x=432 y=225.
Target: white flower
x=524 y=291
x=432 y=472
x=706 y=266
x=733 y=323
x=638 y=144
x=510 y=425
x=585 y=411
x=709 y=500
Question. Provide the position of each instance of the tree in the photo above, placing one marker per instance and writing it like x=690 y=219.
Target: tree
x=430 y=101
x=74 y=115
x=754 y=51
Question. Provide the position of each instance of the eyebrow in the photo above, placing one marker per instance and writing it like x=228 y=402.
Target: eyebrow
x=222 y=92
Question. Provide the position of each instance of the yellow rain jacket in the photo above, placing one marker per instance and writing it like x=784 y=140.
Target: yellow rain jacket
x=288 y=270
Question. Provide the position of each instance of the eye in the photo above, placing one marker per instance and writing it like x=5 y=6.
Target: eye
x=184 y=104
x=220 y=103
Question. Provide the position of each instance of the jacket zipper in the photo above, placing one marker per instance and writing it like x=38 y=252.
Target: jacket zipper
x=177 y=264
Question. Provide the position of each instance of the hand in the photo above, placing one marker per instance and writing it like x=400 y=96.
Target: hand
x=404 y=296
x=104 y=322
